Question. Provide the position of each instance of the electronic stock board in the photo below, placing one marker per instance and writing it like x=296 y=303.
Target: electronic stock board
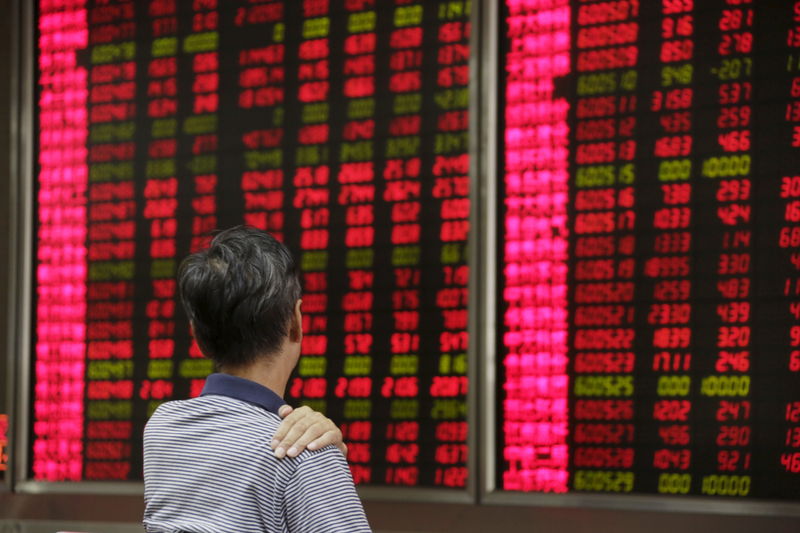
x=650 y=202
x=648 y=210
x=340 y=127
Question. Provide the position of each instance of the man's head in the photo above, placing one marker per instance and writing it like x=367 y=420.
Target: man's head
x=241 y=295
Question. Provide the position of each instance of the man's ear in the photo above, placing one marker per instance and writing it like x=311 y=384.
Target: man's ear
x=296 y=329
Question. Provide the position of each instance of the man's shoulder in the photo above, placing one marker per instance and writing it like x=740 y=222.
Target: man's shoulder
x=329 y=453
x=173 y=405
x=220 y=425
x=320 y=463
x=173 y=408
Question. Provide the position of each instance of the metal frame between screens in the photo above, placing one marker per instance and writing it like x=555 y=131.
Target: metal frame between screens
x=21 y=218
x=486 y=377
x=10 y=219
x=22 y=285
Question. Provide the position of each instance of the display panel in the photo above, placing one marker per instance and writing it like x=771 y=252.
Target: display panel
x=3 y=447
x=340 y=127
x=650 y=248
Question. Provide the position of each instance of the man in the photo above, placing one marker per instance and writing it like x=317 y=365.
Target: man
x=208 y=464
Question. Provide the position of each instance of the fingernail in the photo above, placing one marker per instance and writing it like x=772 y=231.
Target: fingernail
x=292 y=452
x=279 y=453
x=274 y=443
x=312 y=446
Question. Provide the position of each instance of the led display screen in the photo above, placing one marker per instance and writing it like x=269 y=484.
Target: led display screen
x=3 y=446
x=340 y=127
x=650 y=229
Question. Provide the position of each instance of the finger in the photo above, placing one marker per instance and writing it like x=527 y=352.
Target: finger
x=300 y=424
x=289 y=420
x=329 y=437
x=283 y=412
x=313 y=432
x=296 y=431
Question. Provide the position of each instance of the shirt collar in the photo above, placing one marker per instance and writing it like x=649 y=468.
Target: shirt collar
x=242 y=389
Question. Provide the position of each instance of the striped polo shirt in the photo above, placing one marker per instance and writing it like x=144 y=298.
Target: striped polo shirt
x=208 y=467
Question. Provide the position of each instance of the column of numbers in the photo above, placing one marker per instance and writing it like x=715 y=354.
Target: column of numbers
x=604 y=268
x=357 y=195
x=160 y=203
x=670 y=312
x=61 y=276
x=111 y=195
x=310 y=180
x=111 y=242
x=727 y=386
x=787 y=401
x=402 y=191
x=535 y=251
x=261 y=83
x=451 y=190
x=198 y=158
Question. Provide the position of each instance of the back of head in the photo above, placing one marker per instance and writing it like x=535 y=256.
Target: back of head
x=240 y=295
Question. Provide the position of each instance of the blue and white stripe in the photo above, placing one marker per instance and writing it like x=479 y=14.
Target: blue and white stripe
x=208 y=468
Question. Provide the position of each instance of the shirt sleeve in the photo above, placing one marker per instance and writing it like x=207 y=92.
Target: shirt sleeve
x=321 y=496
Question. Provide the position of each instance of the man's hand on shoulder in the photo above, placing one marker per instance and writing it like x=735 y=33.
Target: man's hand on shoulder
x=305 y=428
